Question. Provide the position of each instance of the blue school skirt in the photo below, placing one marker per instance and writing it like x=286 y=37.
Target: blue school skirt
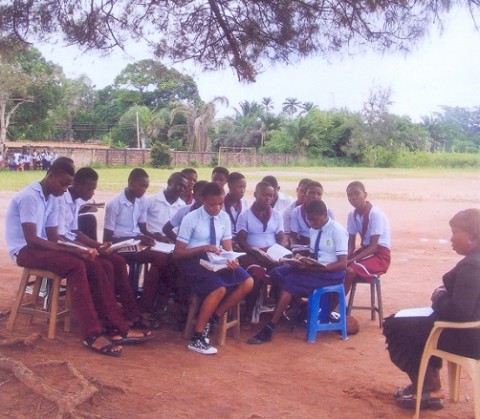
x=300 y=283
x=201 y=281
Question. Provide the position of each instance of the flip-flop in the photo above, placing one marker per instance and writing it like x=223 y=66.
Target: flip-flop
x=126 y=340
x=106 y=349
x=428 y=401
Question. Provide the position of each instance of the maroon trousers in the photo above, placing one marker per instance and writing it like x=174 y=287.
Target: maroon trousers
x=74 y=269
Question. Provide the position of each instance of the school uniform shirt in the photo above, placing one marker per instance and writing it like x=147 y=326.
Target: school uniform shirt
x=236 y=214
x=300 y=225
x=176 y=220
x=377 y=225
x=68 y=209
x=122 y=216
x=256 y=237
x=29 y=206
x=195 y=228
x=283 y=202
x=287 y=217
x=159 y=211
x=333 y=241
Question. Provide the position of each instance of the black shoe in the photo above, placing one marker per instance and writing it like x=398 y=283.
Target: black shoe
x=409 y=401
x=265 y=335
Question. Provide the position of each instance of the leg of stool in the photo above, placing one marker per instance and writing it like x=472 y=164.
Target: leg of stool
x=18 y=299
x=53 y=308
x=236 y=318
x=35 y=291
x=380 y=303
x=68 y=306
x=222 y=329
x=351 y=298
x=372 y=301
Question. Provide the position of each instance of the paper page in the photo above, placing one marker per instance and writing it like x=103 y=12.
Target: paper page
x=415 y=312
x=277 y=251
x=163 y=247
x=124 y=243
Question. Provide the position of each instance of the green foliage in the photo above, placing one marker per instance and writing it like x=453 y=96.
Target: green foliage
x=160 y=155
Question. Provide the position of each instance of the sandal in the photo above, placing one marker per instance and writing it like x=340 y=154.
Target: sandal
x=125 y=339
x=428 y=401
x=110 y=348
x=405 y=391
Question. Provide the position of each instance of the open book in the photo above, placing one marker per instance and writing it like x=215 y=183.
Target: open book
x=273 y=254
x=218 y=262
x=125 y=246
x=415 y=312
x=73 y=244
x=304 y=262
x=163 y=247
x=90 y=207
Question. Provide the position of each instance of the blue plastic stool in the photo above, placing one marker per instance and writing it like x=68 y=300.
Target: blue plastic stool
x=318 y=318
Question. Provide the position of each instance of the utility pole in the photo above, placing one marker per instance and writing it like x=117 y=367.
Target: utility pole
x=138 y=133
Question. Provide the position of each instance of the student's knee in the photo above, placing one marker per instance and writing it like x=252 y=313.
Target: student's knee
x=247 y=285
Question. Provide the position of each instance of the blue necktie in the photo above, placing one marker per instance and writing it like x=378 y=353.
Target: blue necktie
x=213 y=234
x=317 y=245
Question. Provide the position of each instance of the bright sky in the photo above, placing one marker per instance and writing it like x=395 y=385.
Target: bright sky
x=441 y=70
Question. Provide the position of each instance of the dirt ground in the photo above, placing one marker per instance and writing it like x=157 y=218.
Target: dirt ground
x=287 y=378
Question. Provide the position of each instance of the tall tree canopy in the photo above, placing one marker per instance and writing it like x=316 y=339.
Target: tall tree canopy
x=220 y=33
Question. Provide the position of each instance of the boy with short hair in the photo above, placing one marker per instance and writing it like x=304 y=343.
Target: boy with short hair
x=31 y=235
x=192 y=177
x=328 y=245
x=372 y=257
x=220 y=176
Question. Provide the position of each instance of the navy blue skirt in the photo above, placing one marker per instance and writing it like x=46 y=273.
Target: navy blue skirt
x=202 y=281
x=300 y=283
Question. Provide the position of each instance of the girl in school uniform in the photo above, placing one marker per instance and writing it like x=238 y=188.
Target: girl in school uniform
x=372 y=257
x=206 y=230
x=235 y=203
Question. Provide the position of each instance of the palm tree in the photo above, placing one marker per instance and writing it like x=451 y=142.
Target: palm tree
x=199 y=119
x=267 y=104
x=307 y=107
x=290 y=106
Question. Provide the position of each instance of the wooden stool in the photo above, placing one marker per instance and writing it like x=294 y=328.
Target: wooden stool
x=375 y=306
x=32 y=309
x=224 y=323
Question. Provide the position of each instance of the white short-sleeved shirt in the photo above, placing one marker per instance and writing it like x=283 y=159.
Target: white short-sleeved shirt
x=283 y=202
x=122 y=217
x=287 y=217
x=159 y=211
x=29 y=206
x=236 y=214
x=333 y=241
x=68 y=215
x=377 y=225
x=195 y=228
x=256 y=237
x=176 y=220
x=299 y=225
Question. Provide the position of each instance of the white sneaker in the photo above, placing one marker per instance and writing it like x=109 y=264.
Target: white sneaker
x=202 y=346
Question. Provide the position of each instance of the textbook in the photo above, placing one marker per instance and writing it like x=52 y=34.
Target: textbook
x=125 y=246
x=274 y=253
x=415 y=312
x=163 y=247
x=72 y=244
x=218 y=262
x=90 y=207
x=303 y=262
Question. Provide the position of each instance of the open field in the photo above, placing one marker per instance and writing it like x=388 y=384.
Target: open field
x=287 y=378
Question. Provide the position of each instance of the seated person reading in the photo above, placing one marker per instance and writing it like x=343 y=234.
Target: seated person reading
x=287 y=213
x=107 y=272
x=372 y=258
x=126 y=218
x=235 y=203
x=206 y=230
x=328 y=245
x=32 y=241
x=192 y=176
x=260 y=226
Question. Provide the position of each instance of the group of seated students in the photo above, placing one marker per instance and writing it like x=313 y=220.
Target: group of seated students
x=198 y=217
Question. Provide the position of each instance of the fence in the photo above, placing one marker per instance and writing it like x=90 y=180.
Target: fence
x=84 y=155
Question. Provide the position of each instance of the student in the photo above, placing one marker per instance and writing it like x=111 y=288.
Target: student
x=235 y=203
x=31 y=234
x=171 y=226
x=287 y=213
x=107 y=273
x=329 y=245
x=205 y=230
x=220 y=176
x=372 y=257
x=300 y=227
x=281 y=201
x=192 y=177
x=162 y=206
x=260 y=226
x=126 y=218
